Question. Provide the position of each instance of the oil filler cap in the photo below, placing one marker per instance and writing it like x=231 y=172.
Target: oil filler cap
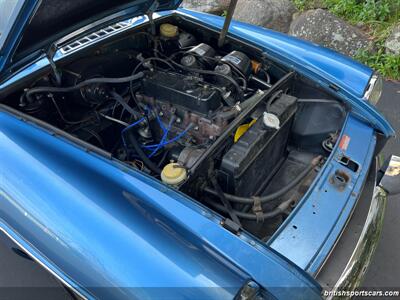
x=173 y=174
x=271 y=121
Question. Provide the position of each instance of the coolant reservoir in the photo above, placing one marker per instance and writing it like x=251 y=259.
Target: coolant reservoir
x=173 y=174
x=169 y=30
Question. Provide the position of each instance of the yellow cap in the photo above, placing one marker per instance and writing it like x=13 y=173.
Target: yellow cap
x=168 y=30
x=173 y=174
x=242 y=130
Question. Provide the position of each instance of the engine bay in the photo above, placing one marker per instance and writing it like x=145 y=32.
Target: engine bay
x=227 y=126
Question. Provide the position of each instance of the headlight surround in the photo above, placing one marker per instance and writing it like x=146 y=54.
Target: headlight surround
x=374 y=91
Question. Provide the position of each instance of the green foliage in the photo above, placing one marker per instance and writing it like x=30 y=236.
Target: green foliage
x=363 y=11
x=301 y=4
x=376 y=18
x=356 y=11
x=309 y=4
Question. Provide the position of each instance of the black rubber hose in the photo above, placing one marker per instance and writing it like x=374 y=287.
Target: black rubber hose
x=50 y=89
x=125 y=105
x=273 y=196
x=248 y=102
x=227 y=205
x=147 y=161
x=272 y=99
x=166 y=62
x=268 y=215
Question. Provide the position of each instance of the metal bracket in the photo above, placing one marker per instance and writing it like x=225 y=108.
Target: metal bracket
x=257 y=209
x=231 y=226
x=56 y=72
x=154 y=6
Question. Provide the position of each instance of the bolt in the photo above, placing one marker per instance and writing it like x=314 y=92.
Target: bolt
x=160 y=113
x=178 y=120
x=196 y=128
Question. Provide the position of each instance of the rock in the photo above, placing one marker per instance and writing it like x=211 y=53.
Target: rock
x=209 y=6
x=392 y=43
x=274 y=14
x=324 y=28
x=296 y=15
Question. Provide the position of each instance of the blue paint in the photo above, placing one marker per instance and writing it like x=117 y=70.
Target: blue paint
x=40 y=64
x=98 y=224
x=310 y=232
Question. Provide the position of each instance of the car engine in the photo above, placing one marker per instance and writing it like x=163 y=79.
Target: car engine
x=224 y=125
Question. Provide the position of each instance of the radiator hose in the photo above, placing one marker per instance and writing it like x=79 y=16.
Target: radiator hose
x=273 y=196
x=147 y=161
x=270 y=214
x=50 y=89
x=249 y=216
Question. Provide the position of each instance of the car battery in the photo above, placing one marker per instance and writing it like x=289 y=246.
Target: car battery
x=255 y=157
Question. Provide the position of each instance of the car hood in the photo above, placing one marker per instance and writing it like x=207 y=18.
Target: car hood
x=34 y=24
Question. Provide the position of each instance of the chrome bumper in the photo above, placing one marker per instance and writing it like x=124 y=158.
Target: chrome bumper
x=357 y=266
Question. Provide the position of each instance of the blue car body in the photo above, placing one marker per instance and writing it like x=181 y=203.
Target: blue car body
x=111 y=232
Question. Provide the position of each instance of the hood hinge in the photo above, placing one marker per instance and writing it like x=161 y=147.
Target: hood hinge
x=154 y=6
x=50 y=55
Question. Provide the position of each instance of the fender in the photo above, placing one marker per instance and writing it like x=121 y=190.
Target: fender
x=97 y=224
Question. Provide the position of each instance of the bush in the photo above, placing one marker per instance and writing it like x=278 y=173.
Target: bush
x=376 y=18
x=363 y=11
x=386 y=64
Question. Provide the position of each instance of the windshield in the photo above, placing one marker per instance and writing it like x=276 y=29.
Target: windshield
x=8 y=12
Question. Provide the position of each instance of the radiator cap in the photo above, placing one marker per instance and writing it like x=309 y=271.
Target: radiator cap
x=271 y=121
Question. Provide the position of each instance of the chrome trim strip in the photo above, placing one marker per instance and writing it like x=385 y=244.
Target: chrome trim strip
x=79 y=294
x=98 y=35
x=371 y=85
x=354 y=272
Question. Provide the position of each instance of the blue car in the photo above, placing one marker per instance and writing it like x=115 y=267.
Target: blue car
x=152 y=152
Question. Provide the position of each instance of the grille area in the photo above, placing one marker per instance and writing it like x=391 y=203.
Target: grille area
x=98 y=35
